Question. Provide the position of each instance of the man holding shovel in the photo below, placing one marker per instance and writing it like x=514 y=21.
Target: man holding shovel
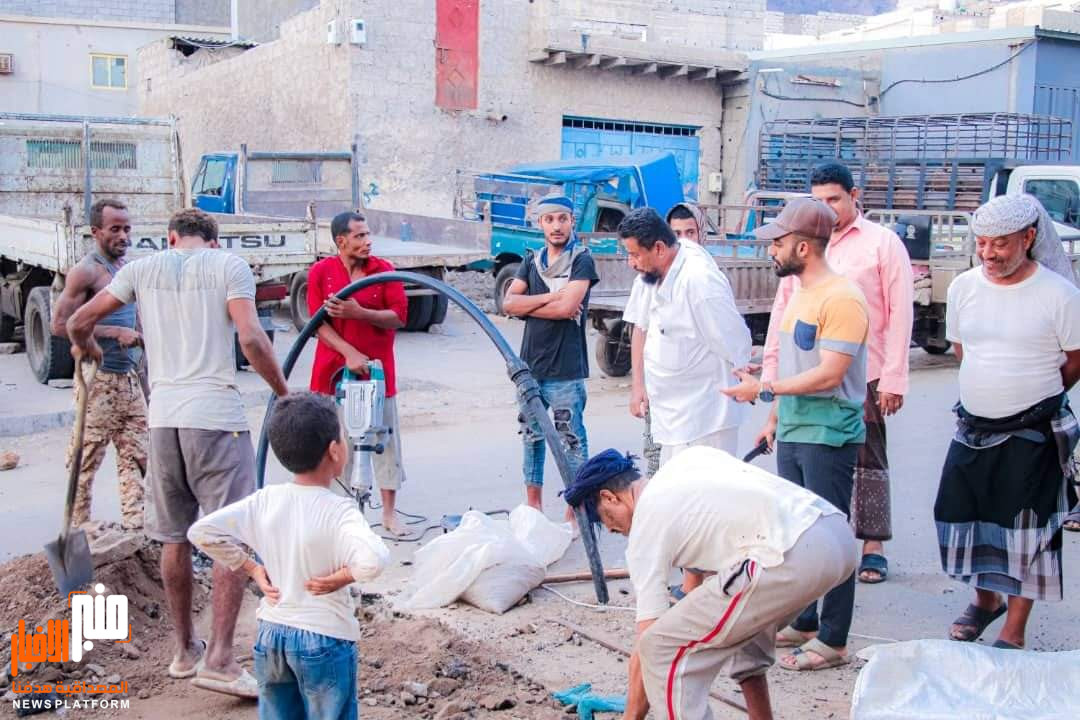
x=191 y=299
x=116 y=407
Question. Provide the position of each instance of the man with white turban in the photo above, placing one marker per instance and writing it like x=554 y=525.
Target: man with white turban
x=1006 y=486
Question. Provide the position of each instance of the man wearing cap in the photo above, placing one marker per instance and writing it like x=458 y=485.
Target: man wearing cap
x=688 y=223
x=817 y=420
x=773 y=547
x=551 y=292
x=876 y=260
x=1006 y=486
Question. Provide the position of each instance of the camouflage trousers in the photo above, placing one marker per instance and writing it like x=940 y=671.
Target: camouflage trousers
x=116 y=413
x=650 y=448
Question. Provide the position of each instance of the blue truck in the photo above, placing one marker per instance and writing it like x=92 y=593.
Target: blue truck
x=603 y=191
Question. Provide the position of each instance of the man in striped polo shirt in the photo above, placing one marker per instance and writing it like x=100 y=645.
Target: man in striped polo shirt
x=818 y=417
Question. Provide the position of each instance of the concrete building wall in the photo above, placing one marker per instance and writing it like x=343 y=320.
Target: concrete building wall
x=260 y=20
x=292 y=94
x=412 y=149
x=156 y=11
x=202 y=12
x=301 y=93
x=53 y=65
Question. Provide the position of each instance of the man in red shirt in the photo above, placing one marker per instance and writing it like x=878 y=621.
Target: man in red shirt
x=360 y=329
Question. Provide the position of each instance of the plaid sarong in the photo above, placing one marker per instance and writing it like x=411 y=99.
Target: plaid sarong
x=1005 y=491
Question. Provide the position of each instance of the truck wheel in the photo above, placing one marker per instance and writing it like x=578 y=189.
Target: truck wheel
x=241 y=358
x=937 y=349
x=438 y=313
x=418 y=317
x=502 y=281
x=298 y=308
x=7 y=327
x=613 y=350
x=49 y=356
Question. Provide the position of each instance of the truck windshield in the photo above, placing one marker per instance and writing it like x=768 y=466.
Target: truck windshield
x=211 y=180
x=1060 y=197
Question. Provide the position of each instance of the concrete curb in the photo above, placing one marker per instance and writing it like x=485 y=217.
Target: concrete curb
x=30 y=424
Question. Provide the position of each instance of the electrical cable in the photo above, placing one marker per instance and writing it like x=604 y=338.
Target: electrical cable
x=990 y=69
x=572 y=601
x=812 y=99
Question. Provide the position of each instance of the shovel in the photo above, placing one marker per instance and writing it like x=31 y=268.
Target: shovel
x=69 y=555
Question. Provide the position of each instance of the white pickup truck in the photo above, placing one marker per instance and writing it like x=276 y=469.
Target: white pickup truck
x=52 y=169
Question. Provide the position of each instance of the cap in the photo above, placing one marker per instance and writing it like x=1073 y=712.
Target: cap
x=801 y=215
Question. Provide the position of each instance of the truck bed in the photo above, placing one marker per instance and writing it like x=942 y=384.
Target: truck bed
x=273 y=247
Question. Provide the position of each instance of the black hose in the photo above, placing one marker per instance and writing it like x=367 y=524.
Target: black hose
x=528 y=392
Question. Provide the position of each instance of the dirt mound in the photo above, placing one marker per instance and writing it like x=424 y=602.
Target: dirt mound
x=419 y=667
x=30 y=595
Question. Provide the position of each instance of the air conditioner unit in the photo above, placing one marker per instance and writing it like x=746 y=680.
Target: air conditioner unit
x=7 y=63
x=358 y=32
x=332 y=36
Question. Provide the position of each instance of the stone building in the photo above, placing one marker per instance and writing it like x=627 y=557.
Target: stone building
x=428 y=87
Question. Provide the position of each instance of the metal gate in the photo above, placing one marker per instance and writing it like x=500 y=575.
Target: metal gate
x=586 y=138
x=456 y=53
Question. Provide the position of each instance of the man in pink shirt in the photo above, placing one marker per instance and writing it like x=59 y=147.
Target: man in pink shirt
x=876 y=260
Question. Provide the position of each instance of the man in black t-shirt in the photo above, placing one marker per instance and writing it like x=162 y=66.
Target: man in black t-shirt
x=551 y=293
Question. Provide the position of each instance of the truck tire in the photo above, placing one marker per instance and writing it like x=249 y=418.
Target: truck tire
x=241 y=358
x=438 y=313
x=613 y=350
x=503 y=278
x=298 y=308
x=421 y=308
x=7 y=327
x=49 y=356
x=937 y=349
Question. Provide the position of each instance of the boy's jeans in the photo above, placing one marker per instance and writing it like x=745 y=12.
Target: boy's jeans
x=304 y=674
x=566 y=398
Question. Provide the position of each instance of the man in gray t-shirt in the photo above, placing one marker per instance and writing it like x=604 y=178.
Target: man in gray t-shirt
x=191 y=299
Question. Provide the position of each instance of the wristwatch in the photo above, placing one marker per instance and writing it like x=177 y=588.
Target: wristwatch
x=765 y=393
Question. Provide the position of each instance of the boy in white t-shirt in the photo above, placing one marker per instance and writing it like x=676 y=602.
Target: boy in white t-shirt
x=314 y=544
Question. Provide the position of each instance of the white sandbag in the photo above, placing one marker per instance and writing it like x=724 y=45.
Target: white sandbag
x=448 y=565
x=943 y=680
x=502 y=586
x=548 y=541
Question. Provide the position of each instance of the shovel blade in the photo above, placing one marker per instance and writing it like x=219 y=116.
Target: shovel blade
x=71 y=564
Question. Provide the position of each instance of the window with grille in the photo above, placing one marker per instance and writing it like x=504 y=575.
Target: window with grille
x=108 y=71
x=635 y=127
x=308 y=172
x=68 y=155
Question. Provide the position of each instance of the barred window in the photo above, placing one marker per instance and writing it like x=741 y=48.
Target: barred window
x=68 y=155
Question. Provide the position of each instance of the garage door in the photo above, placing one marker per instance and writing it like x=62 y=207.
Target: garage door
x=584 y=138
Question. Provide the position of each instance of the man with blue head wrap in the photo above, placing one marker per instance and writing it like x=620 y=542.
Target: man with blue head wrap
x=773 y=546
x=551 y=293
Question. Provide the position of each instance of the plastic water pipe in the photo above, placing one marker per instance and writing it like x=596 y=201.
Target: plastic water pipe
x=528 y=392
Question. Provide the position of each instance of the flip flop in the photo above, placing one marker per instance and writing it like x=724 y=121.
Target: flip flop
x=1002 y=645
x=676 y=592
x=789 y=637
x=977 y=618
x=874 y=563
x=1072 y=522
x=191 y=671
x=242 y=686
x=803 y=663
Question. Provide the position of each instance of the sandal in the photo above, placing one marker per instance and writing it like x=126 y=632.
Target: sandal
x=176 y=674
x=1072 y=521
x=803 y=662
x=874 y=563
x=242 y=686
x=1002 y=645
x=676 y=593
x=789 y=637
x=975 y=619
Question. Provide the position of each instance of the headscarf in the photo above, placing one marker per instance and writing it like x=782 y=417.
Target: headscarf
x=1007 y=214
x=592 y=475
x=556 y=274
x=700 y=218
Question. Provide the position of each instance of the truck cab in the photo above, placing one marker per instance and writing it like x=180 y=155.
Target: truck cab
x=603 y=192
x=1057 y=187
x=214 y=186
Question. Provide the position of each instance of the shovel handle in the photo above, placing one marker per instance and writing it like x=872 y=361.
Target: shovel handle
x=82 y=394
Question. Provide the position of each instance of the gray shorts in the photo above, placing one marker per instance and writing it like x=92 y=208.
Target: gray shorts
x=192 y=470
